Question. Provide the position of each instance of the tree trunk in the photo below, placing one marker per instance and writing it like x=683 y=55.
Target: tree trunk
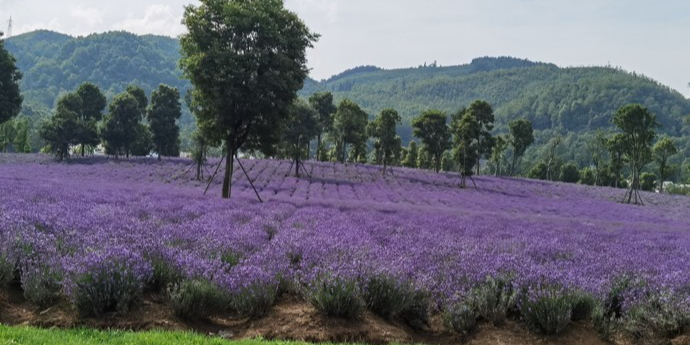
x=229 y=165
x=198 y=171
x=159 y=157
x=82 y=150
x=478 y=163
x=344 y=152
x=318 y=147
x=297 y=166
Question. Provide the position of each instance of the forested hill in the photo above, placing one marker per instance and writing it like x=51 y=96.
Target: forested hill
x=568 y=99
x=571 y=101
x=53 y=63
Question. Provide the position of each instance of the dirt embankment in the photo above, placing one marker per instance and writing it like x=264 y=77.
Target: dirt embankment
x=290 y=319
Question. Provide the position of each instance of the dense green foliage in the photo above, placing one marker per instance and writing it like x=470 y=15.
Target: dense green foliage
x=10 y=98
x=163 y=113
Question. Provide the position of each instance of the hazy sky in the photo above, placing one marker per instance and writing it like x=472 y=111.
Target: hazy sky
x=651 y=37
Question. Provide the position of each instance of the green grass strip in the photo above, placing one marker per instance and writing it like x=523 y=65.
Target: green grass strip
x=35 y=336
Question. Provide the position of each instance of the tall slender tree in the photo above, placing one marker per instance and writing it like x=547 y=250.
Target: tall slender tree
x=431 y=128
x=498 y=153
x=484 y=114
x=120 y=127
x=246 y=60
x=466 y=140
x=411 y=158
x=93 y=104
x=639 y=130
x=616 y=147
x=322 y=102
x=383 y=130
x=300 y=128
x=521 y=137
x=349 y=128
x=164 y=111
x=663 y=150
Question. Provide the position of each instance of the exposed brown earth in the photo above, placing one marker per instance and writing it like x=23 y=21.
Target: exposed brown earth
x=290 y=319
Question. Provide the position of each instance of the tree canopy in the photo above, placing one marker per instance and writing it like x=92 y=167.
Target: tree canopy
x=163 y=113
x=10 y=98
x=246 y=60
x=431 y=128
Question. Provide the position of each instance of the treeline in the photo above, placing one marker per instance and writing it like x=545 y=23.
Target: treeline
x=131 y=125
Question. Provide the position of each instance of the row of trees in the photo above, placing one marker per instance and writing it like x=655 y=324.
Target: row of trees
x=79 y=121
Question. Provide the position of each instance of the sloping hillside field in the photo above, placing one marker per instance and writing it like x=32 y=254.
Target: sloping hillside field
x=99 y=239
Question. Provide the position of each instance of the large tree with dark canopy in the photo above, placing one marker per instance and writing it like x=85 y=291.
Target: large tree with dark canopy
x=121 y=127
x=92 y=104
x=164 y=111
x=638 y=125
x=10 y=98
x=246 y=60
x=431 y=128
x=322 y=102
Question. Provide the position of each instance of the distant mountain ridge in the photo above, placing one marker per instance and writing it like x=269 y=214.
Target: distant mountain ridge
x=571 y=101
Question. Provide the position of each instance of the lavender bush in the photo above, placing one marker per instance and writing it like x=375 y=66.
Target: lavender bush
x=547 y=309
x=197 y=298
x=108 y=280
x=347 y=222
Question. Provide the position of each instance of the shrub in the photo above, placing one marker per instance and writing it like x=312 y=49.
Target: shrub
x=165 y=274
x=662 y=316
x=583 y=305
x=647 y=181
x=493 y=299
x=605 y=323
x=111 y=280
x=387 y=296
x=416 y=314
x=587 y=176
x=42 y=284
x=6 y=270
x=336 y=296
x=547 y=309
x=197 y=298
x=569 y=173
x=253 y=290
x=461 y=317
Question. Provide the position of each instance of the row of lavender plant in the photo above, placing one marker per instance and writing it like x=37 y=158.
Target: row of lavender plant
x=102 y=242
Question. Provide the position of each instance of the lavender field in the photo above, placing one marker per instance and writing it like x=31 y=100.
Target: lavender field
x=69 y=227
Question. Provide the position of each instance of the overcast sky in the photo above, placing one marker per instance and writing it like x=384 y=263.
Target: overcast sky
x=645 y=36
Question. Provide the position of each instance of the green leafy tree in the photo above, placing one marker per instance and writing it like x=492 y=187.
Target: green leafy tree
x=498 y=153
x=10 y=97
x=93 y=103
x=120 y=128
x=569 y=173
x=322 y=102
x=21 y=141
x=484 y=114
x=616 y=148
x=521 y=137
x=639 y=130
x=588 y=176
x=663 y=150
x=647 y=181
x=6 y=135
x=246 y=60
x=60 y=132
x=350 y=127
x=538 y=171
x=410 y=160
x=552 y=160
x=143 y=140
x=300 y=128
x=597 y=147
x=163 y=113
x=140 y=95
x=423 y=158
x=430 y=127
x=383 y=130
x=465 y=129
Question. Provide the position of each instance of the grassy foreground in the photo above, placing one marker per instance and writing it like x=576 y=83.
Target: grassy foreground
x=34 y=336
